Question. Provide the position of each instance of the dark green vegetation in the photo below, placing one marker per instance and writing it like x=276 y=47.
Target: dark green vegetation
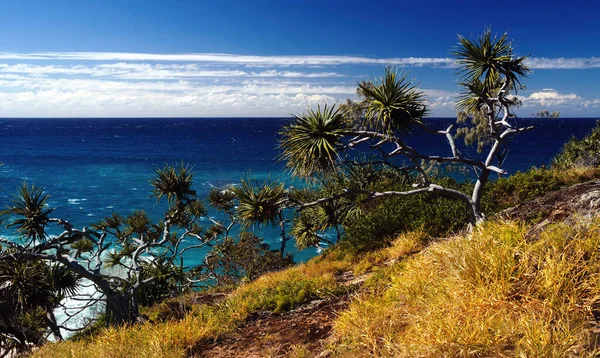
x=580 y=153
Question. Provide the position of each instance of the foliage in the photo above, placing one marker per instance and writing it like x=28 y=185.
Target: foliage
x=521 y=187
x=259 y=203
x=487 y=70
x=580 y=153
x=310 y=143
x=393 y=104
x=173 y=182
x=382 y=221
x=30 y=208
x=29 y=293
x=242 y=260
x=483 y=62
x=169 y=281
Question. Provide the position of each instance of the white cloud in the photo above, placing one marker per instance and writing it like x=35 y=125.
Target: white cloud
x=577 y=63
x=549 y=98
x=231 y=59
x=124 y=87
x=85 y=103
x=87 y=84
x=305 y=60
x=141 y=71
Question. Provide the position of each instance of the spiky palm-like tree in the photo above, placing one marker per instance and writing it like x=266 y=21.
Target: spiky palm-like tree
x=488 y=62
x=311 y=143
x=393 y=108
x=30 y=208
x=29 y=293
x=489 y=72
x=173 y=182
x=393 y=104
x=261 y=204
x=307 y=226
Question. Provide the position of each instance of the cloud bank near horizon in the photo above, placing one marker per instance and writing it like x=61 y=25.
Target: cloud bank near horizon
x=107 y=84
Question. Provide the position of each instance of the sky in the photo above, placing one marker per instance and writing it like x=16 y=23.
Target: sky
x=220 y=58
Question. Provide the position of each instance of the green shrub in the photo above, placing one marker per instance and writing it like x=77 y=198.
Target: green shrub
x=520 y=187
x=580 y=153
x=384 y=220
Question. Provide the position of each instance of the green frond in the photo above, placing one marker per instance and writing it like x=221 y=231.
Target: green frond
x=311 y=142
x=307 y=226
x=113 y=222
x=113 y=259
x=173 y=182
x=485 y=64
x=214 y=230
x=222 y=199
x=259 y=204
x=138 y=222
x=394 y=105
x=196 y=208
x=65 y=282
x=30 y=208
x=83 y=245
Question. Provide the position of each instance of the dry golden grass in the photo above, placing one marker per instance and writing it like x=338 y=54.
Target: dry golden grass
x=403 y=246
x=276 y=291
x=577 y=174
x=495 y=293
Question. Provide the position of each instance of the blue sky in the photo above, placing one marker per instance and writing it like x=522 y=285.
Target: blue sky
x=272 y=58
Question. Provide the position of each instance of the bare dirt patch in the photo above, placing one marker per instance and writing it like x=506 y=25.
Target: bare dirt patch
x=266 y=334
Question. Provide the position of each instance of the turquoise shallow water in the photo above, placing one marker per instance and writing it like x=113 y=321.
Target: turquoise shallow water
x=92 y=167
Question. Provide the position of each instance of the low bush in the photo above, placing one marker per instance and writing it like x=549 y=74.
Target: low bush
x=382 y=221
x=580 y=153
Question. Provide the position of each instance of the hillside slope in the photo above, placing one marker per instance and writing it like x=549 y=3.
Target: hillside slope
x=505 y=289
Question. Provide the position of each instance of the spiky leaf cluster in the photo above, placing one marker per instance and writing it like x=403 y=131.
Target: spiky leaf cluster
x=259 y=204
x=484 y=65
x=307 y=227
x=223 y=200
x=174 y=182
x=310 y=143
x=30 y=208
x=393 y=104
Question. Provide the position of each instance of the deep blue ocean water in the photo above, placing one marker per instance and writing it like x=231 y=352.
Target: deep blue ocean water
x=92 y=167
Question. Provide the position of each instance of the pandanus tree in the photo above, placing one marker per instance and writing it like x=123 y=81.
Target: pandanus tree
x=29 y=294
x=317 y=144
x=262 y=205
x=128 y=260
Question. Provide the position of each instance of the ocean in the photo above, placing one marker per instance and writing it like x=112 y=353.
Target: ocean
x=93 y=167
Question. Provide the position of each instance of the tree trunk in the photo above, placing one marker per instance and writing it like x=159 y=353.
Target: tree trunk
x=121 y=308
x=476 y=215
x=283 y=237
x=51 y=321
